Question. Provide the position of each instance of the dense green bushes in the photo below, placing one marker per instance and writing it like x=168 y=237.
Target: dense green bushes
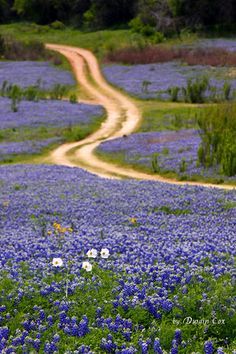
x=218 y=133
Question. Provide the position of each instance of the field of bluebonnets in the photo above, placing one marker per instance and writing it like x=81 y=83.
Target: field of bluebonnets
x=90 y=265
x=147 y=81
x=30 y=126
x=173 y=146
x=168 y=152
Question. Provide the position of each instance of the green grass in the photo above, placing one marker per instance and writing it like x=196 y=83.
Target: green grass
x=158 y=116
x=99 y=42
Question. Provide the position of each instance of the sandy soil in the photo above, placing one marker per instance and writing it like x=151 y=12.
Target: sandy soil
x=123 y=118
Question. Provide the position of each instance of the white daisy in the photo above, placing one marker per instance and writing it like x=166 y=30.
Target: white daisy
x=87 y=266
x=92 y=253
x=104 y=253
x=57 y=262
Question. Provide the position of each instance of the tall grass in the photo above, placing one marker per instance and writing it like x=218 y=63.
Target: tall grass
x=218 y=133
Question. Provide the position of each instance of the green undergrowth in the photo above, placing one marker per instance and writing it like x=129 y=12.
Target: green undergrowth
x=201 y=310
x=159 y=116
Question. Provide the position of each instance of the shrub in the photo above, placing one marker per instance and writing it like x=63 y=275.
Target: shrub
x=173 y=92
x=58 y=92
x=73 y=98
x=145 y=85
x=227 y=90
x=15 y=95
x=195 y=90
x=182 y=166
x=218 y=134
x=155 y=163
x=57 y=25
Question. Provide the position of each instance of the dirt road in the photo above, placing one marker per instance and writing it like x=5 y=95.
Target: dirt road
x=123 y=117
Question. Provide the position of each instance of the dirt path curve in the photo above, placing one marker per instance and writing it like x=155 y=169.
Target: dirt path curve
x=123 y=117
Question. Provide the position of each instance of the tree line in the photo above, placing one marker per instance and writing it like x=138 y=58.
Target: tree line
x=165 y=16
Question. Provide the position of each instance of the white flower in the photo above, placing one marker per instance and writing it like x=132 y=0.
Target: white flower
x=104 y=253
x=87 y=266
x=92 y=253
x=57 y=262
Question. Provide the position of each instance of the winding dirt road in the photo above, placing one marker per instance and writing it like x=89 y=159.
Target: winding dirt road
x=123 y=117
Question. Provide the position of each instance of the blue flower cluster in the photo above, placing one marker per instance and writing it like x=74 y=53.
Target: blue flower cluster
x=50 y=113
x=25 y=147
x=162 y=238
x=229 y=44
x=161 y=77
x=177 y=152
x=28 y=73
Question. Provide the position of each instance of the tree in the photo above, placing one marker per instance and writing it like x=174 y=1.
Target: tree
x=107 y=13
x=5 y=10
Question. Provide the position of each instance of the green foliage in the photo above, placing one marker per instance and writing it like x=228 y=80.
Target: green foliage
x=145 y=85
x=73 y=98
x=183 y=166
x=155 y=163
x=174 y=91
x=16 y=95
x=227 y=90
x=195 y=90
x=57 y=25
x=170 y=211
x=58 y=92
x=146 y=30
x=218 y=134
x=34 y=93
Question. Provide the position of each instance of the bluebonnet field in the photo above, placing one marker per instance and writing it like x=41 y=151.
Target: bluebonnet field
x=52 y=113
x=163 y=76
x=28 y=73
x=175 y=151
x=229 y=44
x=167 y=261
x=48 y=114
x=26 y=147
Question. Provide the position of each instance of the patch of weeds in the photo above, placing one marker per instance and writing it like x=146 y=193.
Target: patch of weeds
x=167 y=210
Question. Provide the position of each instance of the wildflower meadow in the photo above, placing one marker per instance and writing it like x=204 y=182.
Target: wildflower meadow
x=104 y=261
x=90 y=265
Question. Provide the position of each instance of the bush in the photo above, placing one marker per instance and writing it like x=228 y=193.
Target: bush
x=227 y=90
x=173 y=92
x=73 y=98
x=57 y=25
x=155 y=163
x=195 y=90
x=218 y=133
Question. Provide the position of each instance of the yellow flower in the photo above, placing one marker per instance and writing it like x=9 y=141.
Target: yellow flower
x=56 y=226
x=49 y=232
x=62 y=230
x=133 y=220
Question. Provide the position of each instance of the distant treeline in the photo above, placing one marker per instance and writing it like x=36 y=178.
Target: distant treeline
x=166 y=16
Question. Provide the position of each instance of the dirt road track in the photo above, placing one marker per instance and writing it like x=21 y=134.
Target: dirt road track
x=123 y=117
